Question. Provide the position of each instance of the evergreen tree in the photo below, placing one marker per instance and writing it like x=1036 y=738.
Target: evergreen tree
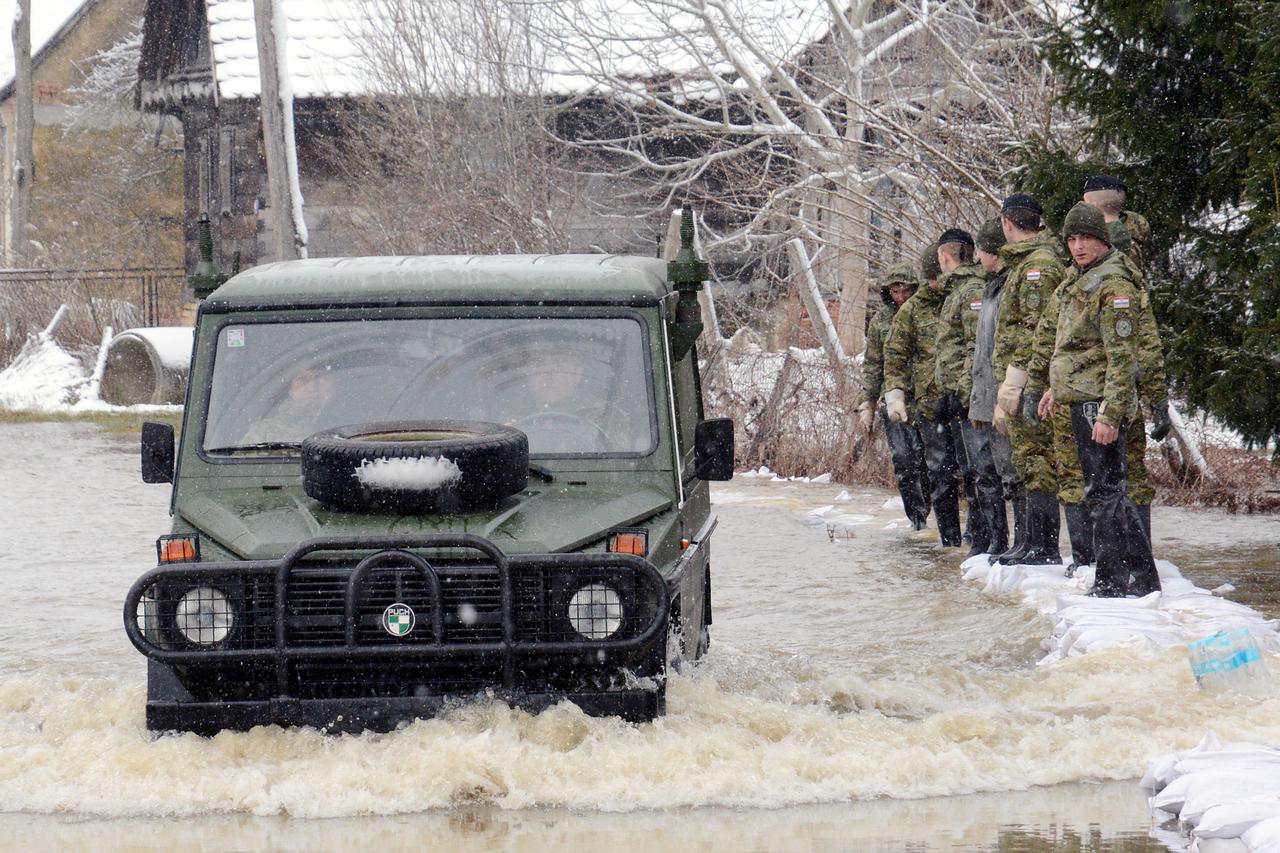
x=1182 y=98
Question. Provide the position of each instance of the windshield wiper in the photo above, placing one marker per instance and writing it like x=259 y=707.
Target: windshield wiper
x=261 y=445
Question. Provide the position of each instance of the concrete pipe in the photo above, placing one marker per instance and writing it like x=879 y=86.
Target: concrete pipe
x=147 y=366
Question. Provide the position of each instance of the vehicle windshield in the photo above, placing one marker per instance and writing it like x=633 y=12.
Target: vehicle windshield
x=574 y=386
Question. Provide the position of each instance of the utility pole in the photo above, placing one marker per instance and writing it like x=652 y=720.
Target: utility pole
x=24 y=165
x=276 y=103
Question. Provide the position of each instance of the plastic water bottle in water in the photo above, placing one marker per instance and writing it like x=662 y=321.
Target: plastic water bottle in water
x=1229 y=660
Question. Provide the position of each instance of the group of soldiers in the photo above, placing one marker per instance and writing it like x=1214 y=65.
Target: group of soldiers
x=1019 y=373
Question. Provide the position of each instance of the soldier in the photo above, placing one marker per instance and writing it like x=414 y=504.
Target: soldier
x=1130 y=233
x=909 y=355
x=984 y=443
x=900 y=282
x=964 y=282
x=1035 y=268
x=1086 y=351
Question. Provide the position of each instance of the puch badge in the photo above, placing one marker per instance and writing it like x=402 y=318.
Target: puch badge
x=398 y=619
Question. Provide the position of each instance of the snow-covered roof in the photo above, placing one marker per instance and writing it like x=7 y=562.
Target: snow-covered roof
x=322 y=57
x=329 y=40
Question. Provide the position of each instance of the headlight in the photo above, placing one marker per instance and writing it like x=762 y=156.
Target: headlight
x=204 y=616
x=595 y=611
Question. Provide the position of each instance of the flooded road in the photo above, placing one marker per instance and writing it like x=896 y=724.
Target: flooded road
x=858 y=696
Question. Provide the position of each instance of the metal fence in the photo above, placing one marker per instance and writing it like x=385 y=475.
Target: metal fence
x=97 y=298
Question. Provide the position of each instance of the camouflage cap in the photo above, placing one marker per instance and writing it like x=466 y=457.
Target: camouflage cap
x=900 y=272
x=991 y=236
x=1086 y=219
x=929 y=266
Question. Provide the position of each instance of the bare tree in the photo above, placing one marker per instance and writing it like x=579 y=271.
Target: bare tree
x=861 y=128
x=457 y=150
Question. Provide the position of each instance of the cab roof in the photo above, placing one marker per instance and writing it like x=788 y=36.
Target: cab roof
x=446 y=279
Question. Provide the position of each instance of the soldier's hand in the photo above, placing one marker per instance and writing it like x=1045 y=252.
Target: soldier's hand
x=998 y=421
x=1161 y=423
x=1009 y=397
x=867 y=417
x=1047 y=406
x=895 y=402
x=1104 y=433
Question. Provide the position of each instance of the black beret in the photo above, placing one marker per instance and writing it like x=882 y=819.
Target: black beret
x=955 y=235
x=1104 y=182
x=1022 y=201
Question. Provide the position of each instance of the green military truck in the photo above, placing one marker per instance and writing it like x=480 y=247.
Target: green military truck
x=405 y=483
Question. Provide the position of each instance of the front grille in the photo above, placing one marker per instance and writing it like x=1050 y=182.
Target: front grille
x=471 y=605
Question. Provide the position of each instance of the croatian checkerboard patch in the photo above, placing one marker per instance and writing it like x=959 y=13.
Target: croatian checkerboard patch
x=1120 y=302
x=975 y=304
x=1033 y=275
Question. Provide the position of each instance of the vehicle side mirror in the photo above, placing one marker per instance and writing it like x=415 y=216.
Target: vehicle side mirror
x=713 y=449
x=157 y=452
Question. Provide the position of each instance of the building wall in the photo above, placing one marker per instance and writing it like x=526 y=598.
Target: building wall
x=101 y=24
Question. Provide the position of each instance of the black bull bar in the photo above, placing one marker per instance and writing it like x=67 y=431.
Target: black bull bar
x=391 y=549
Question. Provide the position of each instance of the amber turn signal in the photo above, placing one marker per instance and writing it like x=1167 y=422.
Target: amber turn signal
x=180 y=548
x=630 y=542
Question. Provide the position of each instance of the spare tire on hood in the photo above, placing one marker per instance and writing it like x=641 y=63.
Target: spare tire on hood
x=415 y=467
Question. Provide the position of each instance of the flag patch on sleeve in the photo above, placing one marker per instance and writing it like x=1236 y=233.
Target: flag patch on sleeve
x=1120 y=302
x=1033 y=275
x=975 y=305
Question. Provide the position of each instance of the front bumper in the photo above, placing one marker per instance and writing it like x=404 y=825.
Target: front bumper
x=289 y=660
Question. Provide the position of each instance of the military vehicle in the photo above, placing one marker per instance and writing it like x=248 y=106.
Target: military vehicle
x=407 y=482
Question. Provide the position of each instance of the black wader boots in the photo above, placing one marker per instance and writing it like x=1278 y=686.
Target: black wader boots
x=1081 y=535
x=1123 y=551
x=1014 y=555
x=1043 y=530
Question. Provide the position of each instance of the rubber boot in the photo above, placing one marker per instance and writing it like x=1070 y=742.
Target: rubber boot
x=1080 y=533
x=1014 y=555
x=997 y=526
x=973 y=520
x=1043 y=530
x=947 y=516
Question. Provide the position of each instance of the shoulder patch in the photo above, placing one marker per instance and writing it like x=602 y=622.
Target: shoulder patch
x=1124 y=328
x=975 y=304
x=1120 y=302
x=1033 y=274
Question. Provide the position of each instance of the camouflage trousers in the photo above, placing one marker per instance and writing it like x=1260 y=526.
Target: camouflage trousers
x=1071 y=474
x=1033 y=455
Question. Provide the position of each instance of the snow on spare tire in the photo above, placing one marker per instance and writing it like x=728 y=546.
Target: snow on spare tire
x=406 y=467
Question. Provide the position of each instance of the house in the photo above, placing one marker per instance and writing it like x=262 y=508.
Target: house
x=67 y=36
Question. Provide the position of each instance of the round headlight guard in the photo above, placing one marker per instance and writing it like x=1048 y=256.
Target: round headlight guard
x=204 y=616
x=595 y=611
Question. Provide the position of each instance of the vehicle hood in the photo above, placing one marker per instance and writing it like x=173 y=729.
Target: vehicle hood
x=265 y=524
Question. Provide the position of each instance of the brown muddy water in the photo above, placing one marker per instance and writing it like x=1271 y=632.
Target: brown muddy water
x=858 y=696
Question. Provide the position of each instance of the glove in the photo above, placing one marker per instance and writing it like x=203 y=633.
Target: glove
x=998 y=421
x=867 y=417
x=1160 y=421
x=1009 y=397
x=895 y=402
x=942 y=409
x=1030 y=404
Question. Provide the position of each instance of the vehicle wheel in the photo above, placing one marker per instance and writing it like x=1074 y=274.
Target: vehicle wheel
x=448 y=466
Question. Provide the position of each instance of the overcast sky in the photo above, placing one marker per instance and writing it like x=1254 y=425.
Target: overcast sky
x=46 y=17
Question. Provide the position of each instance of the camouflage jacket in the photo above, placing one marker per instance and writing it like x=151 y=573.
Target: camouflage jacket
x=911 y=348
x=873 y=359
x=1035 y=270
x=1086 y=342
x=957 y=330
x=1131 y=234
